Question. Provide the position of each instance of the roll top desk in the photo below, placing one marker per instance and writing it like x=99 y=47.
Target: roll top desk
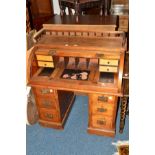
x=77 y=59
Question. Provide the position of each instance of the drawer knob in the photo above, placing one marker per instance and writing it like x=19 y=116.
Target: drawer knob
x=110 y=98
x=103 y=98
x=108 y=62
x=101 y=109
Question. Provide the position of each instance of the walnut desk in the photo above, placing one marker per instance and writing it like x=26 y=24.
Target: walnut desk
x=72 y=51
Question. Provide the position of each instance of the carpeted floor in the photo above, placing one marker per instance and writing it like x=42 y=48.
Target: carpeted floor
x=74 y=139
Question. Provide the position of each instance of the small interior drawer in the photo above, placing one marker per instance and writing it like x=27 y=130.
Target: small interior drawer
x=108 y=69
x=44 y=57
x=108 y=62
x=45 y=64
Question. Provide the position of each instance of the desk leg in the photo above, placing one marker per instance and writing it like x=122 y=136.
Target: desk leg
x=123 y=113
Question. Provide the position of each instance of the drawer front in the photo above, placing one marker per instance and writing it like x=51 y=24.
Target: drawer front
x=44 y=57
x=103 y=109
x=108 y=69
x=108 y=62
x=46 y=102
x=44 y=91
x=99 y=121
x=48 y=115
x=45 y=64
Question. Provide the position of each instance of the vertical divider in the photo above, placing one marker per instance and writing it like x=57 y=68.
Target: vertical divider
x=66 y=60
x=71 y=63
x=61 y=61
x=87 y=62
x=76 y=62
x=82 y=63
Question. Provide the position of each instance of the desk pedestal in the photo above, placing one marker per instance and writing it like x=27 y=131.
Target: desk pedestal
x=102 y=114
x=53 y=106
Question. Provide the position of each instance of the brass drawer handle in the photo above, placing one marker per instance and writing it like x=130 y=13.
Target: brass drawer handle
x=46 y=103
x=101 y=109
x=103 y=98
x=46 y=91
x=49 y=116
x=101 y=122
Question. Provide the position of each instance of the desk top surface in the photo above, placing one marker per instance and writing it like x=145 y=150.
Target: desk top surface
x=84 y=20
x=81 y=43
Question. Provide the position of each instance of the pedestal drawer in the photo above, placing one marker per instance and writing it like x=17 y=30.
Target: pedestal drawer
x=103 y=109
x=46 y=102
x=99 y=98
x=99 y=121
x=48 y=115
x=42 y=91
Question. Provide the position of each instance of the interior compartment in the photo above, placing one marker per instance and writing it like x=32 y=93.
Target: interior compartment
x=106 y=77
x=75 y=74
x=46 y=71
x=78 y=63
